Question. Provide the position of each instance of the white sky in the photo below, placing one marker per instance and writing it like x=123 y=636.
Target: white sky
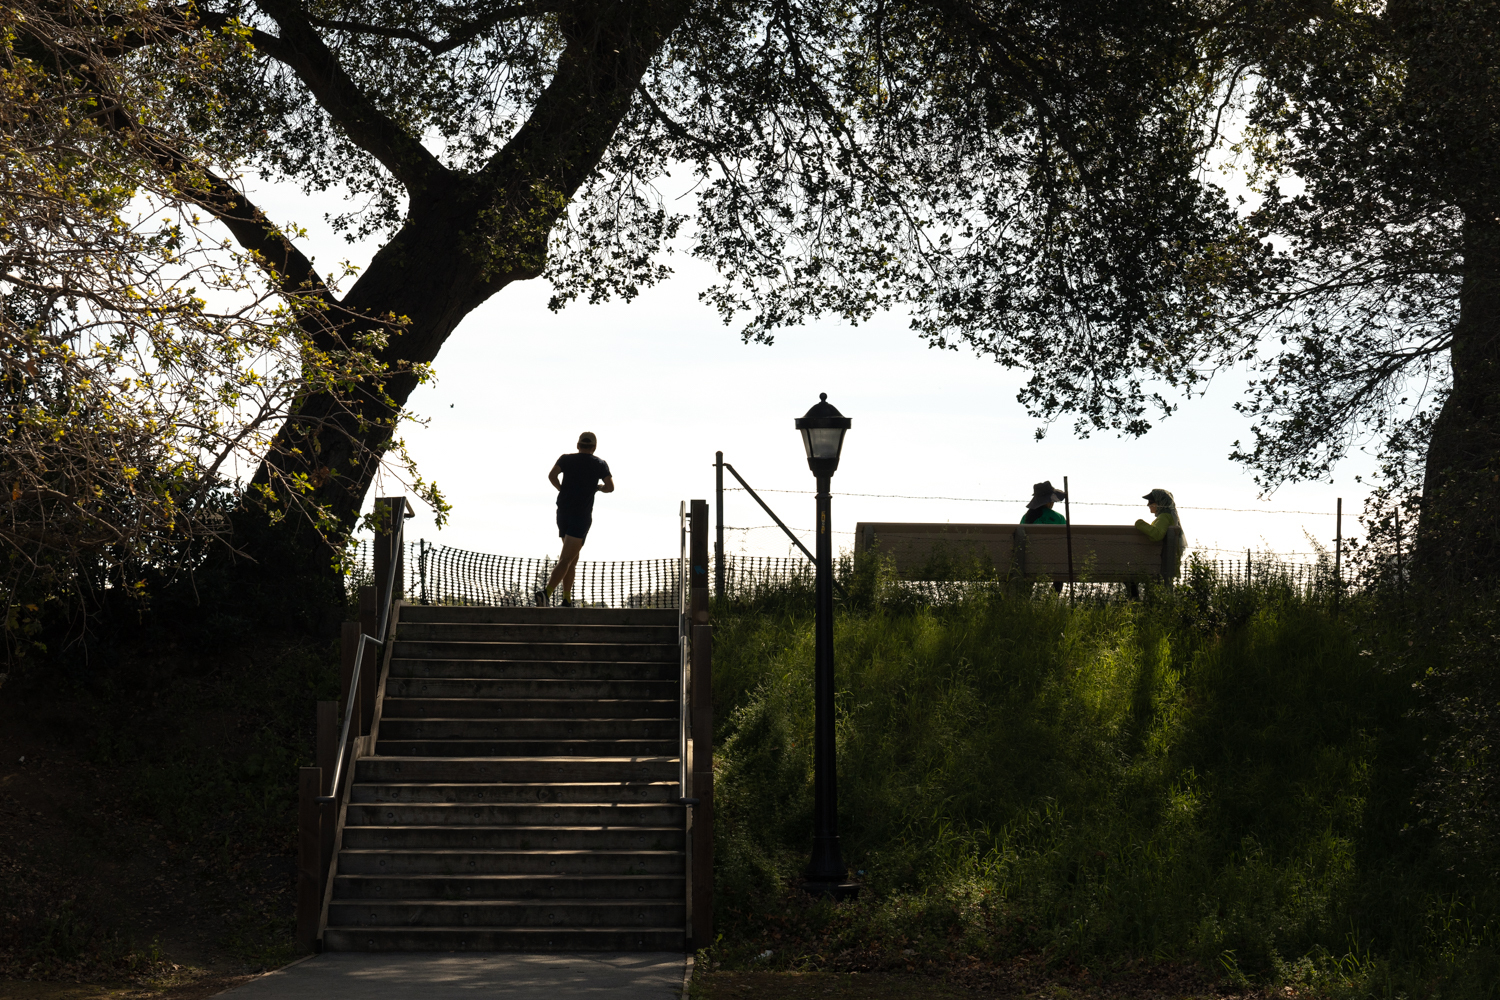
x=664 y=384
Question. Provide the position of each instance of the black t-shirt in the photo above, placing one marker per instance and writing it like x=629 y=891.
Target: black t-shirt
x=580 y=479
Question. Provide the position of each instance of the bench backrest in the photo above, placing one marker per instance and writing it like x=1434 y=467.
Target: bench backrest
x=1104 y=553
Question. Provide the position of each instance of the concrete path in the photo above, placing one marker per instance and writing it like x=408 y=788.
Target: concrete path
x=379 y=976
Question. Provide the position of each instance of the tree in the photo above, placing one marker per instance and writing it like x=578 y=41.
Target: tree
x=143 y=361
x=1387 y=297
x=1021 y=176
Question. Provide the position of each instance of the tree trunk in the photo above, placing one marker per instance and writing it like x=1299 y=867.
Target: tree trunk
x=466 y=237
x=1459 y=538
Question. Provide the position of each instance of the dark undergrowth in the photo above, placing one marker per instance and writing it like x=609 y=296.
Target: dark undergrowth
x=1231 y=777
x=152 y=818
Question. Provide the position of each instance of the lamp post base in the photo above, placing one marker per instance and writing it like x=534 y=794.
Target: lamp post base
x=838 y=891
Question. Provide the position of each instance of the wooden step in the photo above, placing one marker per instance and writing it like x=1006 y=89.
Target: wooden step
x=613 y=814
x=532 y=939
x=533 y=708
x=493 y=913
x=526 y=748
x=494 y=838
x=434 y=649
x=472 y=615
x=488 y=689
x=633 y=635
x=604 y=670
x=509 y=887
x=534 y=793
x=396 y=729
x=501 y=862
x=514 y=769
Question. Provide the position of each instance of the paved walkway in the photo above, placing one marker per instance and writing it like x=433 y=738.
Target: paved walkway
x=446 y=976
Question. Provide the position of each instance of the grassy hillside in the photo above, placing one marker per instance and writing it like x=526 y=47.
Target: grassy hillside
x=1224 y=776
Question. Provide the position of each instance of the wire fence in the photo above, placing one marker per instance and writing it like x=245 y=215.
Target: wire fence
x=441 y=574
x=1301 y=575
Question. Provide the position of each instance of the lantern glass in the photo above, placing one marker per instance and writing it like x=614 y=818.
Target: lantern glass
x=823 y=442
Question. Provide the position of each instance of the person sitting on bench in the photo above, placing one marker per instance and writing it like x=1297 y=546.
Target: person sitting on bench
x=1163 y=507
x=1039 y=509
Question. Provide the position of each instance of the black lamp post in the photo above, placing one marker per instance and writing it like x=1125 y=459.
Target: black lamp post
x=823 y=429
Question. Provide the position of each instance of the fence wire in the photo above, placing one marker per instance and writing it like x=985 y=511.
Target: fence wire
x=441 y=574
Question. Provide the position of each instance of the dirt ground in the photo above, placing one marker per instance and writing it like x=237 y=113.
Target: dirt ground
x=83 y=879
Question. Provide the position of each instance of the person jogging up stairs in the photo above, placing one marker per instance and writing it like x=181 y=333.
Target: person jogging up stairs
x=581 y=473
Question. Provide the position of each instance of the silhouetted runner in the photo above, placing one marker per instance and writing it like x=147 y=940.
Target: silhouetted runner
x=581 y=473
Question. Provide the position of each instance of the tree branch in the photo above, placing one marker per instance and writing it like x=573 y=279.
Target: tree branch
x=467 y=34
x=302 y=49
x=290 y=269
x=967 y=16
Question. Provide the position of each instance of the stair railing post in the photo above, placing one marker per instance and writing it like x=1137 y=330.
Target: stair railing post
x=309 y=853
x=702 y=879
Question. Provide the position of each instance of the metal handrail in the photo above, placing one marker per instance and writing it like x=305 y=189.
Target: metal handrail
x=682 y=656
x=397 y=540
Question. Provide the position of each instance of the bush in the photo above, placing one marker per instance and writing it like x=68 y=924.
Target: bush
x=1218 y=774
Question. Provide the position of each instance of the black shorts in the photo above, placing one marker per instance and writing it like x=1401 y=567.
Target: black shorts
x=574 y=523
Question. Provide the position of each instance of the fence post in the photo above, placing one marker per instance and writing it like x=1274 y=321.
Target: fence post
x=702 y=728
x=1068 y=531
x=309 y=850
x=719 y=525
x=1338 y=554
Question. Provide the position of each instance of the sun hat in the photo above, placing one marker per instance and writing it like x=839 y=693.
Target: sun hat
x=1042 y=494
x=1162 y=498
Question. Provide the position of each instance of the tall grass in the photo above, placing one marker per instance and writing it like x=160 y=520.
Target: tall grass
x=1218 y=774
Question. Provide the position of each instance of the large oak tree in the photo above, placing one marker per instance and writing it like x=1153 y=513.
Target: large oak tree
x=1021 y=177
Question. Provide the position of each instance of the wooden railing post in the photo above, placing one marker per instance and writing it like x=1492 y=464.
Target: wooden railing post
x=369 y=624
x=702 y=717
x=327 y=759
x=309 y=853
x=391 y=510
x=346 y=676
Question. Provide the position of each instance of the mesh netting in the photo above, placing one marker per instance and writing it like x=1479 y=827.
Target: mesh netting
x=440 y=574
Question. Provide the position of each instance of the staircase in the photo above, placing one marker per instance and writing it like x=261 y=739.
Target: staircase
x=523 y=791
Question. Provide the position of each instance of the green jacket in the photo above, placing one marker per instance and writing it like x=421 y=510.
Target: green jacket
x=1049 y=516
x=1157 y=529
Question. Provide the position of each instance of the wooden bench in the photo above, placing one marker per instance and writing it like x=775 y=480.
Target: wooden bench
x=1102 y=553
